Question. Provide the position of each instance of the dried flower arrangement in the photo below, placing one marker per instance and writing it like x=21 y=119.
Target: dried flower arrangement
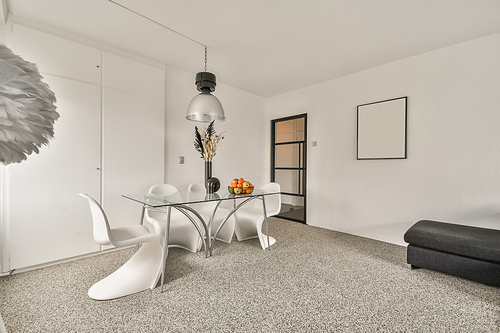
x=207 y=141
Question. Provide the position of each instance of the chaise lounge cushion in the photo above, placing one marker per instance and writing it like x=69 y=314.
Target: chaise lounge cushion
x=473 y=242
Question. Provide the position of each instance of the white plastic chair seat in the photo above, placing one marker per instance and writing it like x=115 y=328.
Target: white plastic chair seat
x=206 y=210
x=227 y=232
x=249 y=220
x=182 y=232
x=141 y=271
x=132 y=235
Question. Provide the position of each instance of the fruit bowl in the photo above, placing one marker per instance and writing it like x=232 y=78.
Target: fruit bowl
x=236 y=190
x=240 y=186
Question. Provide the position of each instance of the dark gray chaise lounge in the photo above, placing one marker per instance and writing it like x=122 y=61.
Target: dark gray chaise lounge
x=465 y=251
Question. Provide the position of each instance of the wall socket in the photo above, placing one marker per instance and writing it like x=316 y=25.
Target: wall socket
x=181 y=159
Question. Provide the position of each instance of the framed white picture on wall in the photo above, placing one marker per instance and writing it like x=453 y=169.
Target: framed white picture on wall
x=382 y=128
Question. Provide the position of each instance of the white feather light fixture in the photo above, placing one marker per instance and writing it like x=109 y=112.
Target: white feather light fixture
x=27 y=109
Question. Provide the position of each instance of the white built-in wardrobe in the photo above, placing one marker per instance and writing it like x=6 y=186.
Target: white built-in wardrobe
x=108 y=141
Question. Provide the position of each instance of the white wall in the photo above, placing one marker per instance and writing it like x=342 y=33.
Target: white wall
x=99 y=134
x=245 y=149
x=452 y=169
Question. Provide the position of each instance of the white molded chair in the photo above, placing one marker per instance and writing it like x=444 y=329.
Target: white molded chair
x=249 y=219
x=141 y=271
x=206 y=210
x=182 y=232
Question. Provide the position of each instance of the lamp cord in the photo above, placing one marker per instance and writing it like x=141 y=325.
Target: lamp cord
x=156 y=22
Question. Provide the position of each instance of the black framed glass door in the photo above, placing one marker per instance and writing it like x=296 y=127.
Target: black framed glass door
x=288 y=164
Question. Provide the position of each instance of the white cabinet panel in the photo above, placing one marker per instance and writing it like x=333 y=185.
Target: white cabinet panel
x=128 y=75
x=48 y=220
x=133 y=151
x=120 y=120
x=57 y=56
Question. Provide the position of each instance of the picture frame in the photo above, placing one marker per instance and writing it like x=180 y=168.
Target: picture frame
x=382 y=129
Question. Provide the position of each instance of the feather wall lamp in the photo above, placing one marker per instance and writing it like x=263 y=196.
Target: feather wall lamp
x=27 y=109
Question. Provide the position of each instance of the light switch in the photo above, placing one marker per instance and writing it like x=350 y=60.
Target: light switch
x=181 y=159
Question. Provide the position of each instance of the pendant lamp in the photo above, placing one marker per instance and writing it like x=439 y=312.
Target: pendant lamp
x=205 y=107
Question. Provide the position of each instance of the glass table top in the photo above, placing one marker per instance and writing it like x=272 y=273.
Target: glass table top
x=185 y=197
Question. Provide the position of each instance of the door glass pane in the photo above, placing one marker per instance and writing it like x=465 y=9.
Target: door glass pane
x=299 y=129
x=290 y=130
x=290 y=180
x=289 y=155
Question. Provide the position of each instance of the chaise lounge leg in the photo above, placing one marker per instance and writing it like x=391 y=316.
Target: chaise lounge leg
x=414 y=267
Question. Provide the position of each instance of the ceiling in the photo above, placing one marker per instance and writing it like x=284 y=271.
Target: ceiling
x=269 y=47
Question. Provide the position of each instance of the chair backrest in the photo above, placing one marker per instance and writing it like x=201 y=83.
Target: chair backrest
x=196 y=187
x=101 y=227
x=163 y=188
x=273 y=202
x=200 y=187
x=166 y=189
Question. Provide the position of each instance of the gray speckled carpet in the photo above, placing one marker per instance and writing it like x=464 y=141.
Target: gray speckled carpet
x=313 y=280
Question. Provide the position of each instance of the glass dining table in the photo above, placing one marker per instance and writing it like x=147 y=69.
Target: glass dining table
x=186 y=202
